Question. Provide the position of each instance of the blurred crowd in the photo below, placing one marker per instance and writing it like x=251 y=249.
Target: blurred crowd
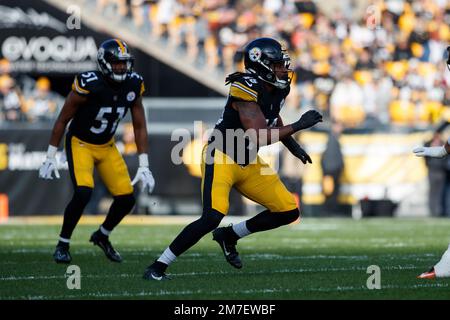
x=25 y=99
x=377 y=64
x=361 y=63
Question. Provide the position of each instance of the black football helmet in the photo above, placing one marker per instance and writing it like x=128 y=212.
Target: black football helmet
x=114 y=50
x=259 y=57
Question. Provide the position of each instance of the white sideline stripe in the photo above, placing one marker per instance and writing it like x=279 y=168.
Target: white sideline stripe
x=207 y=273
x=218 y=292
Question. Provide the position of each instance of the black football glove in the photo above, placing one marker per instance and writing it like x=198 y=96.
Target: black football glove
x=302 y=155
x=307 y=120
x=296 y=150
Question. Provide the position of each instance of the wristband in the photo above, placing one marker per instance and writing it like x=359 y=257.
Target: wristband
x=51 y=151
x=143 y=160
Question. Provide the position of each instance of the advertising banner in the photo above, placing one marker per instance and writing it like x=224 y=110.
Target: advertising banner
x=36 y=38
x=23 y=151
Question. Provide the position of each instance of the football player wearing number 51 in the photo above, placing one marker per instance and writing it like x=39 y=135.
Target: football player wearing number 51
x=97 y=102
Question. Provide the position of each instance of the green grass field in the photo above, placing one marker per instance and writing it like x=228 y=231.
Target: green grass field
x=317 y=259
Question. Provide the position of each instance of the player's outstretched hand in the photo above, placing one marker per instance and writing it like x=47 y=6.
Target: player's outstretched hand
x=302 y=155
x=48 y=168
x=307 y=120
x=434 y=152
x=146 y=177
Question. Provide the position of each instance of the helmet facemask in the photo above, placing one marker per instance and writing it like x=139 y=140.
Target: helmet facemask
x=121 y=76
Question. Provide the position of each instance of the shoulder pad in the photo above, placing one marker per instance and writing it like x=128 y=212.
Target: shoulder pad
x=86 y=82
x=137 y=81
x=250 y=77
x=245 y=88
x=135 y=75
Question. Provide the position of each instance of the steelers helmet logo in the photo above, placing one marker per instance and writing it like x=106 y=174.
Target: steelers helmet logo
x=130 y=96
x=255 y=54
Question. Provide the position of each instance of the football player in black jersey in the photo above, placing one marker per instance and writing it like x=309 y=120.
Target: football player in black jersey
x=230 y=158
x=96 y=104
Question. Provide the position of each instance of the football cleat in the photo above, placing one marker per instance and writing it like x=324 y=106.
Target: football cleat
x=442 y=268
x=62 y=255
x=103 y=242
x=155 y=272
x=431 y=274
x=228 y=246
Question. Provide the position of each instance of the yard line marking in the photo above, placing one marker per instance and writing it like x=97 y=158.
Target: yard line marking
x=161 y=293
x=209 y=273
x=19 y=278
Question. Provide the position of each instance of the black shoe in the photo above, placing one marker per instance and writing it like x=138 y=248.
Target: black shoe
x=62 y=254
x=156 y=272
x=228 y=245
x=103 y=242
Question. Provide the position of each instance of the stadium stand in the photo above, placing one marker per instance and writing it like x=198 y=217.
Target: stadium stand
x=393 y=73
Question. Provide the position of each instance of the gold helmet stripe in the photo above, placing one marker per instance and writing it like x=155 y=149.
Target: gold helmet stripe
x=122 y=47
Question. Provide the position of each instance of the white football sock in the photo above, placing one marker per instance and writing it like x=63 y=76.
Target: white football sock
x=241 y=229
x=64 y=240
x=104 y=231
x=167 y=257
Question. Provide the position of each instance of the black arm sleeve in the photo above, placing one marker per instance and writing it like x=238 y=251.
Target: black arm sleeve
x=290 y=144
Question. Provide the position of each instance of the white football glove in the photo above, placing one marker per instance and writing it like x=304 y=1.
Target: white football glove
x=434 y=152
x=50 y=165
x=63 y=157
x=144 y=174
